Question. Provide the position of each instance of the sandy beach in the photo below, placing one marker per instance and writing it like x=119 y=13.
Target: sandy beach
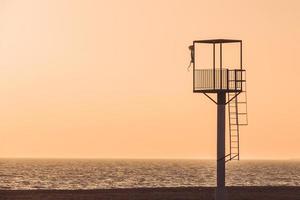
x=199 y=193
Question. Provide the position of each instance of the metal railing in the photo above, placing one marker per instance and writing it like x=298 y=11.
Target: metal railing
x=225 y=79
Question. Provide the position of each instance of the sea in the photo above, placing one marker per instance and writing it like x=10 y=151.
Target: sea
x=136 y=173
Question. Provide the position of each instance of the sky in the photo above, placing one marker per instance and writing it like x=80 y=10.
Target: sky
x=109 y=79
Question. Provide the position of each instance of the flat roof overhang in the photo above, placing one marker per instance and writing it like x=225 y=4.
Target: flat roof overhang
x=217 y=41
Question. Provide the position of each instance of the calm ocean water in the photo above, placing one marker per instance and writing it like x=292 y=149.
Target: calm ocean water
x=92 y=174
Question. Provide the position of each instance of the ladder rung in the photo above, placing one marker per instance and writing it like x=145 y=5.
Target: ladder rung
x=242 y=102
x=240 y=80
x=242 y=113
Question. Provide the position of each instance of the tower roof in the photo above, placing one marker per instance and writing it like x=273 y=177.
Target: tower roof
x=213 y=41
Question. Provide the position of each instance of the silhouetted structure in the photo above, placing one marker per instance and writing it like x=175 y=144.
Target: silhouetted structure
x=229 y=86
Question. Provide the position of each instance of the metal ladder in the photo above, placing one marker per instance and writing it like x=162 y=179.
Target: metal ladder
x=238 y=116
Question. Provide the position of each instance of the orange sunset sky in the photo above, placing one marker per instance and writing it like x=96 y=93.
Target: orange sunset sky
x=108 y=79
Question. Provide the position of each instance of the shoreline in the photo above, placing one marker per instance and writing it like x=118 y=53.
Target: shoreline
x=178 y=193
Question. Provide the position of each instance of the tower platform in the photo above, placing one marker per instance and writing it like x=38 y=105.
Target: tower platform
x=216 y=80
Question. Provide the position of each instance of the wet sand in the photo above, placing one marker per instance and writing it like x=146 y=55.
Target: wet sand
x=199 y=193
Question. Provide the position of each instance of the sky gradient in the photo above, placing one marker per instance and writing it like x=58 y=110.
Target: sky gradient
x=108 y=79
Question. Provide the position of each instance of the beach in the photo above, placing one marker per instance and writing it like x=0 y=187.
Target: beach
x=188 y=193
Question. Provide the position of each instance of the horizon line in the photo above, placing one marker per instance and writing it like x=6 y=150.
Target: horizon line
x=142 y=158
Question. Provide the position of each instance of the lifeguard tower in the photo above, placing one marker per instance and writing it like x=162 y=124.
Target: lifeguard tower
x=224 y=85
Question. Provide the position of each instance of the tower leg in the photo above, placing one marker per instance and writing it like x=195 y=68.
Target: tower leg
x=221 y=191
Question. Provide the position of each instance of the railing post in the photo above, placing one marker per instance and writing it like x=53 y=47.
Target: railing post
x=235 y=78
x=241 y=80
x=227 y=74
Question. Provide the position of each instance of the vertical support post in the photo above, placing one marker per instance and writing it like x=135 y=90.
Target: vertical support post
x=194 y=66
x=221 y=75
x=220 y=191
x=241 y=55
x=241 y=60
x=214 y=64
